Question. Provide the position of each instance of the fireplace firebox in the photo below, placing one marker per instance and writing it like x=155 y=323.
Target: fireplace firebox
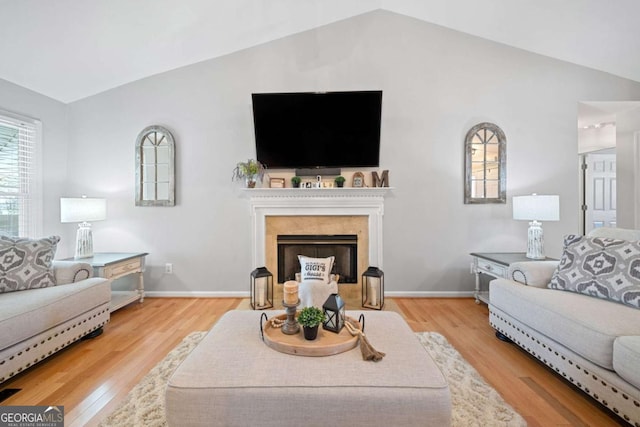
x=344 y=247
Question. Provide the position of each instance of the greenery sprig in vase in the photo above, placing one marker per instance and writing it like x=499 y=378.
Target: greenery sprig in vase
x=339 y=181
x=250 y=171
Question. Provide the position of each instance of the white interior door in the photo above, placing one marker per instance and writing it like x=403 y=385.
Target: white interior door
x=600 y=191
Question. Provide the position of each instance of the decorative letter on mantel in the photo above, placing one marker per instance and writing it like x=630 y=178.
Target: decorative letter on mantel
x=380 y=182
x=485 y=165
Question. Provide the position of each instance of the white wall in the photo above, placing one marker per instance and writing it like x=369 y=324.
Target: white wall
x=627 y=168
x=596 y=139
x=53 y=115
x=437 y=84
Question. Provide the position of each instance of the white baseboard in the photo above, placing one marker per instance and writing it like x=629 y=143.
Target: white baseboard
x=196 y=294
x=428 y=294
x=245 y=294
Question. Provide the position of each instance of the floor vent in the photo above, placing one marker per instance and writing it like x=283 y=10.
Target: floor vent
x=7 y=393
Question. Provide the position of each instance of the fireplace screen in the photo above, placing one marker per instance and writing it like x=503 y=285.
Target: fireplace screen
x=343 y=247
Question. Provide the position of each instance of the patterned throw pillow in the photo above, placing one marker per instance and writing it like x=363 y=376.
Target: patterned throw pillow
x=26 y=263
x=600 y=267
x=316 y=268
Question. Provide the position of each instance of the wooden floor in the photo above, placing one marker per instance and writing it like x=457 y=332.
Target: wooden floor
x=91 y=377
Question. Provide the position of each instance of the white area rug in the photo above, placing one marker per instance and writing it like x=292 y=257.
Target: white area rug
x=475 y=403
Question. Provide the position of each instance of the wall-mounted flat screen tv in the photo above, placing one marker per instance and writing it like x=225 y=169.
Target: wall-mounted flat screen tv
x=324 y=129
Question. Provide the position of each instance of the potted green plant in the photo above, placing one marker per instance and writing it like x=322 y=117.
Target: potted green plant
x=310 y=318
x=339 y=181
x=250 y=171
x=295 y=181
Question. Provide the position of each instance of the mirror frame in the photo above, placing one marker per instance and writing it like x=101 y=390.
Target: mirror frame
x=171 y=200
x=502 y=165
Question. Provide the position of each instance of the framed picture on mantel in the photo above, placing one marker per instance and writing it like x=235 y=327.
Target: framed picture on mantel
x=358 y=180
x=276 y=183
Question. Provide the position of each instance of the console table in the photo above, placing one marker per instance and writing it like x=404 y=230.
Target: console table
x=114 y=265
x=495 y=264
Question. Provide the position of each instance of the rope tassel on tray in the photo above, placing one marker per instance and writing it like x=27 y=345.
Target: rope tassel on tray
x=368 y=352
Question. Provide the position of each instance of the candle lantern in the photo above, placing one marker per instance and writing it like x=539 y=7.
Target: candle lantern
x=373 y=288
x=261 y=289
x=334 y=313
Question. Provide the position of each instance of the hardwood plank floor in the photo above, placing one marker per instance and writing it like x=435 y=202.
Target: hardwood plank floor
x=91 y=377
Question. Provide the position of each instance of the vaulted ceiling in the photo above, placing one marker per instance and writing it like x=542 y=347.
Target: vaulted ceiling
x=71 y=49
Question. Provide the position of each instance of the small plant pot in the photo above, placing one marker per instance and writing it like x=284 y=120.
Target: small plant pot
x=340 y=184
x=310 y=333
x=296 y=185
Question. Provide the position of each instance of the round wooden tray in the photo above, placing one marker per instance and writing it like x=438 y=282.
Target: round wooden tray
x=326 y=344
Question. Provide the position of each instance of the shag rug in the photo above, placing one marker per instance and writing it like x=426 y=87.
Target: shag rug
x=474 y=402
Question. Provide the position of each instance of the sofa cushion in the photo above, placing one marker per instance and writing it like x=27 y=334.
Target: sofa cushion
x=600 y=267
x=316 y=268
x=626 y=358
x=26 y=263
x=25 y=314
x=587 y=326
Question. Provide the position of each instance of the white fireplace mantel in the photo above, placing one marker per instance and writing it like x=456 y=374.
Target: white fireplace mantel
x=266 y=202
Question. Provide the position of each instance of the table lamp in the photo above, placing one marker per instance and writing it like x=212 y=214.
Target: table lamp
x=536 y=208
x=83 y=210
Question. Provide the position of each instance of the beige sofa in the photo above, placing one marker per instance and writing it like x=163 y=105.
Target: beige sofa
x=37 y=322
x=592 y=342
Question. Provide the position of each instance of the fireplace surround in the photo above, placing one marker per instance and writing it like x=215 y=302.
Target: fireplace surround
x=294 y=211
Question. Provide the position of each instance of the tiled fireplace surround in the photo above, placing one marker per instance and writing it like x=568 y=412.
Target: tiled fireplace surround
x=317 y=211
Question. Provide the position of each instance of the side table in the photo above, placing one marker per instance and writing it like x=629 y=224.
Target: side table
x=495 y=264
x=114 y=265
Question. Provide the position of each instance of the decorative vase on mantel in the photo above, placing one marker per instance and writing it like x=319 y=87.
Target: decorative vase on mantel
x=250 y=181
x=250 y=171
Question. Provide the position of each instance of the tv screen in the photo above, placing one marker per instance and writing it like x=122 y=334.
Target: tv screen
x=309 y=130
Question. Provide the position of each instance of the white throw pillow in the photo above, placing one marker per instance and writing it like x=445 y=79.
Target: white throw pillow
x=316 y=268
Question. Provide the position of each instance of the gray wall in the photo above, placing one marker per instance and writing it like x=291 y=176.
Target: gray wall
x=437 y=84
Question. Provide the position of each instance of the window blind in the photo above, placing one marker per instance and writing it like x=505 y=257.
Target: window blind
x=20 y=200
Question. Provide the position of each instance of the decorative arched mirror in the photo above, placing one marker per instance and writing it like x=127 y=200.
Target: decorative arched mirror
x=485 y=165
x=155 y=167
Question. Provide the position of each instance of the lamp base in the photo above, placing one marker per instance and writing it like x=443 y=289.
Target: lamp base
x=84 y=241
x=535 y=242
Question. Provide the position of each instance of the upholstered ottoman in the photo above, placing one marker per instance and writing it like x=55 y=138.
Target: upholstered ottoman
x=232 y=378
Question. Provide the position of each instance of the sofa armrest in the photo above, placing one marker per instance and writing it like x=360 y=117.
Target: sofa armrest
x=532 y=273
x=71 y=271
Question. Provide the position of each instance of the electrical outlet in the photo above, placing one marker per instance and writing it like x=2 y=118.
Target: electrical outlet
x=168 y=268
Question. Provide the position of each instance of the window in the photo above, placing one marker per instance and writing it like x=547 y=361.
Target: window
x=20 y=200
x=485 y=165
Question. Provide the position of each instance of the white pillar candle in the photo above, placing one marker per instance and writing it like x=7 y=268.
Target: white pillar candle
x=261 y=285
x=375 y=284
x=290 y=292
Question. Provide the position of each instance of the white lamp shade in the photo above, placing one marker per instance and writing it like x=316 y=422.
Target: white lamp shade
x=82 y=209
x=536 y=207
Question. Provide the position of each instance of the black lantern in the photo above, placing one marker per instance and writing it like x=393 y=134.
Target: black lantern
x=334 y=314
x=373 y=288
x=261 y=289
